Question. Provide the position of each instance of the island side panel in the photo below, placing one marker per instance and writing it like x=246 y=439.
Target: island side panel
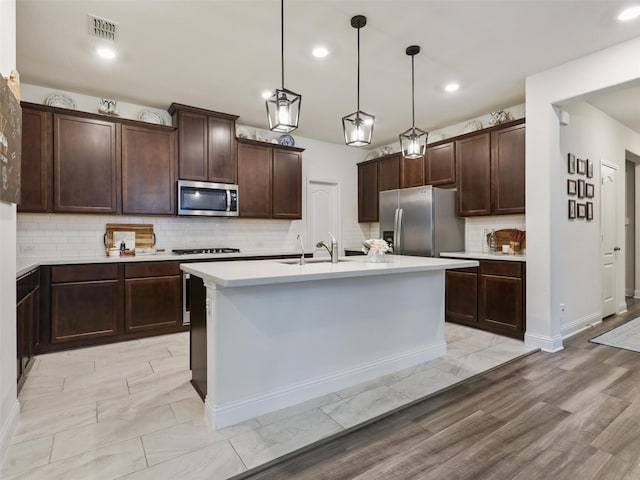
x=198 y=336
x=278 y=345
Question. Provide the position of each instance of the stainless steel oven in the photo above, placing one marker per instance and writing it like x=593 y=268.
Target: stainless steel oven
x=206 y=198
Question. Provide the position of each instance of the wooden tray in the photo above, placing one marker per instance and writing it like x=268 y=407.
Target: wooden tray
x=503 y=237
x=145 y=238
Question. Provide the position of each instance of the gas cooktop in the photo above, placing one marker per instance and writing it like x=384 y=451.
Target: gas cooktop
x=191 y=251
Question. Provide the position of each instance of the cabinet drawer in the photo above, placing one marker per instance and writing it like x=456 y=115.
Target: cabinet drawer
x=83 y=273
x=151 y=269
x=507 y=269
x=26 y=284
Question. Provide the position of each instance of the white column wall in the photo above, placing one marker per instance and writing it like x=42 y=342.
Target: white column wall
x=9 y=408
x=547 y=239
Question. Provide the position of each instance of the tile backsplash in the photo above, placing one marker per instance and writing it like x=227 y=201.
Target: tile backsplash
x=46 y=235
x=475 y=228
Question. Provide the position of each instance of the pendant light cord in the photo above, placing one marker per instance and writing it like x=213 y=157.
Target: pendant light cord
x=413 y=100
x=358 y=89
x=282 y=39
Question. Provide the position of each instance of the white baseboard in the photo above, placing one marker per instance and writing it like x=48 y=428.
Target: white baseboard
x=629 y=292
x=622 y=308
x=636 y=294
x=580 y=324
x=224 y=415
x=544 y=343
x=9 y=428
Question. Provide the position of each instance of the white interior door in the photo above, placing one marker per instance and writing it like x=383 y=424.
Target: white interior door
x=608 y=235
x=323 y=207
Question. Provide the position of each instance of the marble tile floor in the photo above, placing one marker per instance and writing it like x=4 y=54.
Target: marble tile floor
x=127 y=411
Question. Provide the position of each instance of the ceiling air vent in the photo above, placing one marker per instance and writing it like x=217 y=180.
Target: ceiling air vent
x=103 y=28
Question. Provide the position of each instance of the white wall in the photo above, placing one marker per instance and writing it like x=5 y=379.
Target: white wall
x=9 y=408
x=548 y=240
x=594 y=135
x=46 y=235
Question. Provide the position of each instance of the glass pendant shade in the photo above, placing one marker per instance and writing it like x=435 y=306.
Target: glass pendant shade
x=283 y=110
x=413 y=143
x=358 y=128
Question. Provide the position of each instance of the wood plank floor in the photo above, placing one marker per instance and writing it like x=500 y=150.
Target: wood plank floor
x=572 y=415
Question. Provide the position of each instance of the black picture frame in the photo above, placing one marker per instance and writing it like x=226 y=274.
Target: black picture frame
x=581 y=166
x=581 y=210
x=581 y=188
x=571 y=163
x=572 y=209
x=589 y=211
x=589 y=169
x=590 y=190
x=572 y=187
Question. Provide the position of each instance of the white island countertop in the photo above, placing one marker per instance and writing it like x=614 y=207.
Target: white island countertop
x=251 y=273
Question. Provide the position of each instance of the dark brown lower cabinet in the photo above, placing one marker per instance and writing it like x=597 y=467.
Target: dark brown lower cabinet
x=27 y=322
x=153 y=296
x=491 y=297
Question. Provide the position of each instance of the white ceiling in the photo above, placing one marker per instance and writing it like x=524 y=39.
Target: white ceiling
x=221 y=54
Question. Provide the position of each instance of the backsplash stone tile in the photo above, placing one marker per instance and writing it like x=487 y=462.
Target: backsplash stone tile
x=82 y=235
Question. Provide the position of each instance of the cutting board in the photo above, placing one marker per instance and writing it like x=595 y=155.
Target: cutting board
x=145 y=238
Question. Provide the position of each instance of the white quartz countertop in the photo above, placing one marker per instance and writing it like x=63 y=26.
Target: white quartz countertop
x=250 y=273
x=486 y=256
x=25 y=265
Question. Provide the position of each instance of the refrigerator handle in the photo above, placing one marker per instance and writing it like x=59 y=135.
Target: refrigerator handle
x=398 y=232
x=396 y=245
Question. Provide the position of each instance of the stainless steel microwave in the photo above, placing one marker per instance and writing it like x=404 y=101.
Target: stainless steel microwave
x=206 y=198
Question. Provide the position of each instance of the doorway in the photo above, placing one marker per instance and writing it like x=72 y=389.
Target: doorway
x=609 y=251
x=323 y=214
x=630 y=229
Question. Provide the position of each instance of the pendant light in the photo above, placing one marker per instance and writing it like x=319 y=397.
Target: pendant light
x=283 y=107
x=414 y=141
x=358 y=126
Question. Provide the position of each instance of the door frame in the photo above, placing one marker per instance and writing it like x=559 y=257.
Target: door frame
x=309 y=216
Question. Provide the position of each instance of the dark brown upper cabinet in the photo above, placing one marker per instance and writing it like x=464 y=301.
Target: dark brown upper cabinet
x=269 y=180
x=86 y=164
x=473 y=163
x=148 y=170
x=368 y=192
x=440 y=165
x=206 y=144
x=508 y=170
x=388 y=174
x=411 y=172
x=37 y=161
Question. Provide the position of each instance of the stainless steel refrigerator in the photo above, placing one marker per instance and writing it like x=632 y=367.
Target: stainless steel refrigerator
x=421 y=221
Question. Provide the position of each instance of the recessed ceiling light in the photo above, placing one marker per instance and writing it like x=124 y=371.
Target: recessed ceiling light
x=451 y=87
x=630 y=13
x=320 y=52
x=106 y=52
x=267 y=94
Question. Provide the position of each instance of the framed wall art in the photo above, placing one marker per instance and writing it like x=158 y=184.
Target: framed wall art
x=581 y=210
x=589 y=169
x=572 y=209
x=581 y=166
x=590 y=190
x=571 y=163
x=572 y=187
x=581 y=188
x=589 y=211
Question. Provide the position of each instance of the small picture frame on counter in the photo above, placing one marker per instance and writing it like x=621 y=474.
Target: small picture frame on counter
x=589 y=211
x=590 y=190
x=572 y=187
x=582 y=210
x=581 y=188
x=572 y=209
x=581 y=166
x=571 y=163
x=589 y=169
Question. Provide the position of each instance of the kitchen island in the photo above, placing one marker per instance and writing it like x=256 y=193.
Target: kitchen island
x=266 y=335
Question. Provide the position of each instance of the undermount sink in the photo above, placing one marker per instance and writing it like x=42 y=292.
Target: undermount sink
x=296 y=261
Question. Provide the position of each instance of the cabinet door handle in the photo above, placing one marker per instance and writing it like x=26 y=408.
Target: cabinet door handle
x=616 y=249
